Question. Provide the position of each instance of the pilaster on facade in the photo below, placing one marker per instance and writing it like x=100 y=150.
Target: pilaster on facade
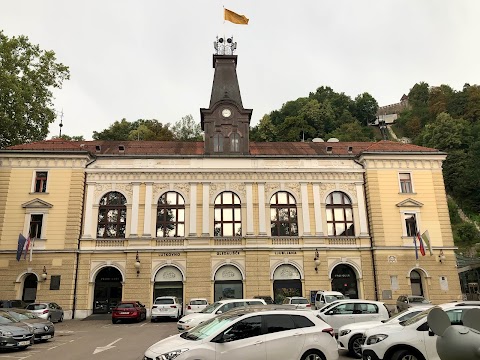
x=193 y=209
x=305 y=209
x=88 y=223
x=147 y=221
x=249 y=219
x=362 y=209
x=206 y=209
x=135 y=208
x=317 y=210
x=261 y=210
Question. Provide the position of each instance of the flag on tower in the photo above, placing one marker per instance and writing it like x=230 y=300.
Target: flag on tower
x=235 y=18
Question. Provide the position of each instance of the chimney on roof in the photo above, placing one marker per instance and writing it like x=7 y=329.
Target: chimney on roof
x=329 y=149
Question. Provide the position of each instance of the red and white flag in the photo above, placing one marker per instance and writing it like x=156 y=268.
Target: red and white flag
x=422 y=247
x=26 y=247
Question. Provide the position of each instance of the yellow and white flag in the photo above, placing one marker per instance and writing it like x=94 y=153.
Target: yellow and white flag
x=235 y=18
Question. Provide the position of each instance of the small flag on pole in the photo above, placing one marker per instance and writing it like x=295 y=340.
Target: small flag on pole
x=21 y=244
x=416 y=249
x=422 y=248
x=234 y=17
x=27 y=247
x=426 y=239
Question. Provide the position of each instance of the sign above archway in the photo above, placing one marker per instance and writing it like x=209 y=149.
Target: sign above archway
x=168 y=273
x=286 y=272
x=227 y=273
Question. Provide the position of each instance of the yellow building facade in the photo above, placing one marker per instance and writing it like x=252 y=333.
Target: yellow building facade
x=223 y=218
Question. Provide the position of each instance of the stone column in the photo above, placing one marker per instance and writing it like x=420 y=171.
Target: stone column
x=206 y=210
x=318 y=210
x=135 y=206
x=147 y=221
x=305 y=212
x=261 y=209
x=193 y=210
x=249 y=220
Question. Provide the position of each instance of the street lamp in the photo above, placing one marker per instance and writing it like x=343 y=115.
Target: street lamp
x=316 y=259
x=44 y=273
x=137 y=264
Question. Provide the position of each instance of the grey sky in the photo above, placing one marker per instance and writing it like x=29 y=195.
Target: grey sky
x=152 y=59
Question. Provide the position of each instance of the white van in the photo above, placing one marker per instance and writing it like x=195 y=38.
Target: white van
x=324 y=297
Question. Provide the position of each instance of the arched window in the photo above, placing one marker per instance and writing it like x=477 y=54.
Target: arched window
x=112 y=216
x=416 y=283
x=234 y=142
x=283 y=214
x=228 y=215
x=218 y=143
x=171 y=215
x=339 y=215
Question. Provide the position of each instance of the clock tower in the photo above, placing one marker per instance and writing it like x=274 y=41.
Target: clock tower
x=225 y=122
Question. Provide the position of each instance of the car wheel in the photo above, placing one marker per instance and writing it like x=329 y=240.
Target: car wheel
x=404 y=355
x=152 y=320
x=355 y=346
x=61 y=318
x=313 y=355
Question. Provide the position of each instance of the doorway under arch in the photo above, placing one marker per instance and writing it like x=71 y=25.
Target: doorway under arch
x=168 y=282
x=228 y=283
x=416 y=283
x=30 y=288
x=108 y=290
x=344 y=280
x=286 y=282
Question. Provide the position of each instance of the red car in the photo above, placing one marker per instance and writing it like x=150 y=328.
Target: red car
x=129 y=310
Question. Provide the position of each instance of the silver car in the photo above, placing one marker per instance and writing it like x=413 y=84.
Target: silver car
x=43 y=330
x=47 y=310
x=13 y=336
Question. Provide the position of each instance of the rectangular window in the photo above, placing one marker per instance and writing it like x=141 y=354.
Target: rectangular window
x=411 y=224
x=405 y=183
x=36 y=221
x=41 y=181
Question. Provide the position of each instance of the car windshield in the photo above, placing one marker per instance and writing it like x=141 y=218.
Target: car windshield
x=299 y=301
x=36 y=306
x=125 y=306
x=211 y=308
x=416 y=318
x=418 y=300
x=198 y=302
x=6 y=319
x=207 y=328
x=330 y=298
x=163 y=301
x=325 y=308
x=21 y=316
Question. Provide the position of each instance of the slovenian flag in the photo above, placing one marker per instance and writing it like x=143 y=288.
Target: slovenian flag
x=420 y=242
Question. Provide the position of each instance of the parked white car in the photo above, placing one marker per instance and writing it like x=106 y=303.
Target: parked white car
x=166 y=307
x=258 y=333
x=190 y=321
x=411 y=339
x=350 y=337
x=355 y=310
x=324 y=297
x=297 y=301
x=196 y=305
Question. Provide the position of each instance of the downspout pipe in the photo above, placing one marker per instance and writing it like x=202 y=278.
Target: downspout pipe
x=74 y=305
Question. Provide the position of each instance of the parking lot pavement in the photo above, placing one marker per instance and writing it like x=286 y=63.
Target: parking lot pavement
x=98 y=340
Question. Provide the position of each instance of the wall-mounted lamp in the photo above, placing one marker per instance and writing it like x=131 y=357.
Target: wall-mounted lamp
x=316 y=259
x=441 y=256
x=137 y=264
x=44 y=273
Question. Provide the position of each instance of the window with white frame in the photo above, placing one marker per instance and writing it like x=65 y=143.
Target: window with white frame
x=410 y=224
x=35 y=227
x=218 y=143
x=234 y=142
x=228 y=215
x=405 y=183
x=171 y=215
x=283 y=214
x=40 y=184
x=112 y=216
x=339 y=215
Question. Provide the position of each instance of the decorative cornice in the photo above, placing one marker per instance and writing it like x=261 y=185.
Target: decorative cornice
x=43 y=161
x=403 y=164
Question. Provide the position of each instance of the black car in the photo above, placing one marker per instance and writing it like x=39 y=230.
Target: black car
x=19 y=304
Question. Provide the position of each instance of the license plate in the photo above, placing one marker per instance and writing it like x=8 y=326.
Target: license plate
x=124 y=313
x=44 y=337
x=23 y=343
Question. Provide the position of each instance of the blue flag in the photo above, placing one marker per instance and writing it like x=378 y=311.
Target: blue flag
x=21 y=244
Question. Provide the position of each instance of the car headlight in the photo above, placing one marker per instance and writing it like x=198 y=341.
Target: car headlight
x=376 y=339
x=5 y=333
x=345 y=332
x=171 y=355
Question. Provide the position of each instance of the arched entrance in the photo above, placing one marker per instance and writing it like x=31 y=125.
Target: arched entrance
x=344 y=280
x=168 y=282
x=228 y=283
x=286 y=282
x=30 y=288
x=108 y=290
x=416 y=283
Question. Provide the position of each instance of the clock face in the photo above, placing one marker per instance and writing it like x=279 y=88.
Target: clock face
x=226 y=113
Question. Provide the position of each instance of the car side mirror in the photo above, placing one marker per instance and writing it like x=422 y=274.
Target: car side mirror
x=430 y=333
x=219 y=312
x=331 y=312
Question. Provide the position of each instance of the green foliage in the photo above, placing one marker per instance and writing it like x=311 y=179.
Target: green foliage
x=27 y=75
x=453 y=212
x=139 y=130
x=321 y=114
x=187 y=129
x=446 y=133
x=466 y=234
x=69 y=138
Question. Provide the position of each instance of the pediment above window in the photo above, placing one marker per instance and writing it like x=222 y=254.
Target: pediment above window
x=410 y=203
x=37 y=204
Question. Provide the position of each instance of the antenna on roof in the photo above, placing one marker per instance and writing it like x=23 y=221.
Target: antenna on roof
x=61 y=123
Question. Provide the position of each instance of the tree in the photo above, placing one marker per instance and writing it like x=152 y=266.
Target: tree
x=353 y=132
x=70 y=138
x=27 y=76
x=446 y=133
x=187 y=129
x=365 y=108
x=139 y=130
x=264 y=131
